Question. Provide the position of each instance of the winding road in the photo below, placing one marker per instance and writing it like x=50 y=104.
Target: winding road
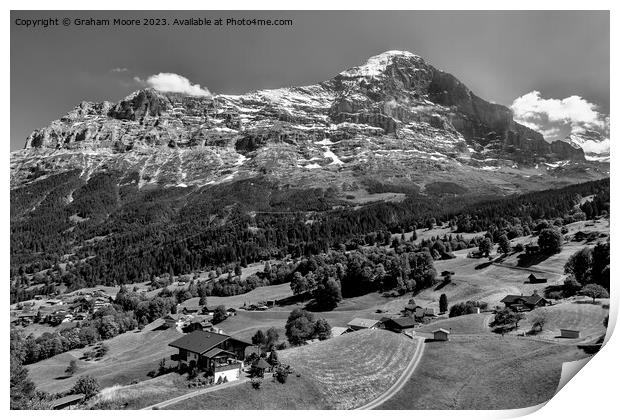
x=400 y=383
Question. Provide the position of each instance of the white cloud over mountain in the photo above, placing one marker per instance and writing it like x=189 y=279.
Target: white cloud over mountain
x=573 y=113
x=171 y=82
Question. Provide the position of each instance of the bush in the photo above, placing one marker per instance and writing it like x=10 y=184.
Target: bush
x=281 y=374
x=86 y=385
x=256 y=383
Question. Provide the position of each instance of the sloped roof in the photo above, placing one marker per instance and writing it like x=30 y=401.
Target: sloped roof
x=261 y=364
x=531 y=300
x=441 y=330
x=199 y=341
x=336 y=331
x=404 y=322
x=363 y=322
x=67 y=399
x=215 y=351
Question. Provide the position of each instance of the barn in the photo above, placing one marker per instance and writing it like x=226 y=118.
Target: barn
x=441 y=335
x=566 y=333
x=533 y=279
x=399 y=325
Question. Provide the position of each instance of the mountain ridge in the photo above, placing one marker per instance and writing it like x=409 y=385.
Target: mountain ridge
x=392 y=110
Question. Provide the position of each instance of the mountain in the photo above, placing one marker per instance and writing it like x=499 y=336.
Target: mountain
x=168 y=183
x=395 y=119
x=595 y=147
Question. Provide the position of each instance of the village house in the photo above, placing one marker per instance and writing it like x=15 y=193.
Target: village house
x=362 y=324
x=399 y=325
x=217 y=354
x=410 y=309
x=420 y=312
x=520 y=303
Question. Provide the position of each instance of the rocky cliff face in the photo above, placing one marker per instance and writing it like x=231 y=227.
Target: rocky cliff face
x=393 y=116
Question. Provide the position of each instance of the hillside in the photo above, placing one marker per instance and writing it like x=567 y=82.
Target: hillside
x=167 y=183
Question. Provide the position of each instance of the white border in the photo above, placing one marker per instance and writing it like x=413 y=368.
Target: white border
x=592 y=394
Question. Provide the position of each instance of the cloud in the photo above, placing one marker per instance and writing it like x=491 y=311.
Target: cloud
x=119 y=70
x=171 y=82
x=558 y=118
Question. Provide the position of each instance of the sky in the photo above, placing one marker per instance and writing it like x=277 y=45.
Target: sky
x=550 y=67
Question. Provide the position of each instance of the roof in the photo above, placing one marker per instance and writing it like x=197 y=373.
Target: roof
x=336 y=331
x=363 y=322
x=199 y=341
x=261 y=364
x=404 y=322
x=215 y=351
x=531 y=300
x=441 y=330
x=67 y=399
x=568 y=329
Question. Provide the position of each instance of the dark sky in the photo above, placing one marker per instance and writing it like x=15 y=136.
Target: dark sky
x=499 y=55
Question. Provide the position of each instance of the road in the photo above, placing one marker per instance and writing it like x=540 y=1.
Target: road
x=195 y=394
x=398 y=385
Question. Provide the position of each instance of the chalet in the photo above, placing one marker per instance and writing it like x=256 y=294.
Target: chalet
x=566 y=333
x=67 y=401
x=399 y=325
x=424 y=312
x=100 y=303
x=524 y=303
x=174 y=320
x=218 y=354
x=441 y=335
x=410 y=309
x=26 y=318
x=191 y=309
x=362 y=324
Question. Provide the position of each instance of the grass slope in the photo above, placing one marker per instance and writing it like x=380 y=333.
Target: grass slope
x=467 y=372
x=352 y=369
x=131 y=356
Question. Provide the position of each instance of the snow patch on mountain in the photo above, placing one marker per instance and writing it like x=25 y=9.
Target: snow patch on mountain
x=377 y=64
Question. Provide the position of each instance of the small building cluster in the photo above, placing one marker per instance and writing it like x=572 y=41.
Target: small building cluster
x=520 y=303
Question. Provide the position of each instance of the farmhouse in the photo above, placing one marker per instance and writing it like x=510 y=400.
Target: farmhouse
x=533 y=279
x=566 y=333
x=399 y=324
x=424 y=312
x=362 y=324
x=524 y=303
x=410 y=309
x=441 y=335
x=218 y=354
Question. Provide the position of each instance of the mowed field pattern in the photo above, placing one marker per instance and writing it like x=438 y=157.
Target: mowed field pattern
x=354 y=368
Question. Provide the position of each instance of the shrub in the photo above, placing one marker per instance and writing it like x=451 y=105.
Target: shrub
x=256 y=383
x=86 y=385
x=281 y=374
